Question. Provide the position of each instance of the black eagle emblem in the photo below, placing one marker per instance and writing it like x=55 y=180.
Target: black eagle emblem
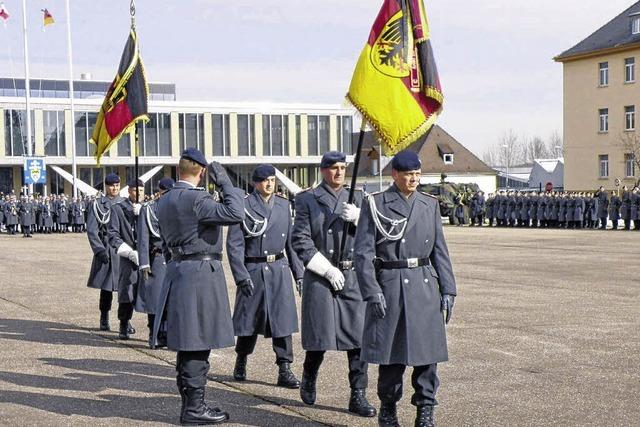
x=392 y=45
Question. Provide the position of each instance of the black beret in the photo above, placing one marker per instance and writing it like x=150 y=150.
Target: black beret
x=111 y=179
x=331 y=158
x=194 y=155
x=132 y=183
x=263 y=172
x=166 y=184
x=406 y=161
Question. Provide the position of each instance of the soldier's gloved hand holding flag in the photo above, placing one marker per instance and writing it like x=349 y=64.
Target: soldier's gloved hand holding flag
x=350 y=213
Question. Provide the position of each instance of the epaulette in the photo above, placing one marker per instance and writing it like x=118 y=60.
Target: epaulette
x=427 y=194
x=306 y=189
x=283 y=197
x=197 y=189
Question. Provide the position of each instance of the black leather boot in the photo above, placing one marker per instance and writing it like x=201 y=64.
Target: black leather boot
x=308 y=387
x=388 y=416
x=130 y=329
x=183 y=396
x=359 y=405
x=286 y=378
x=196 y=411
x=124 y=331
x=424 y=416
x=104 y=321
x=240 y=370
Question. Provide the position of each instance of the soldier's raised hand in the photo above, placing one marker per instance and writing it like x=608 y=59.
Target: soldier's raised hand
x=446 y=306
x=379 y=306
x=218 y=174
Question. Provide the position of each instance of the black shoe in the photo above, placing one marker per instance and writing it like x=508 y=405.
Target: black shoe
x=124 y=331
x=308 y=388
x=195 y=410
x=104 y=322
x=286 y=378
x=130 y=329
x=388 y=416
x=240 y=370
x=359 y=405
x=424 y=417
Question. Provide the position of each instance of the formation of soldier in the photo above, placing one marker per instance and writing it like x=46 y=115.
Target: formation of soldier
x=44 y=215
x=352 y=258
x=569 y=210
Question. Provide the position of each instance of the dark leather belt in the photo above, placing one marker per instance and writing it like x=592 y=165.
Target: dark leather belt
x=197 y=257
x=268 y=258
x=345 y=265
x=403 y=263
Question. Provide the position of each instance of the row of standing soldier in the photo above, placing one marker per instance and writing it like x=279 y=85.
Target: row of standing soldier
x=555 y=209
x=42 y=215
x=354 y=302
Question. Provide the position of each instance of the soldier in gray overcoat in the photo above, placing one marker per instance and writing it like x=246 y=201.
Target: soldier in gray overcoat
x=603 y=207
x=152 y=265
x=635 y=208
x=614 y=209
x=195 y=289
x=26 y=211
x=46 y=216
x=123 y=237
x=63 y=209
x=265 y=301
x=11 y=215
x=405 y=275
x=332 y=306
x=105 y=264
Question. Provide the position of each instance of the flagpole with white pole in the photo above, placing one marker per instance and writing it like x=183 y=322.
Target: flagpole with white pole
x=26 y=82
x=74 y=167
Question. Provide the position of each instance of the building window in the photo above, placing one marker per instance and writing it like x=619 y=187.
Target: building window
x=448 y=159
x=54 y=137
x=275 y=135
x=246 y=135
x=323 y=134
x=604 y=120
x=156 y=136
x=191 y=128
x=630 y=117
x=347 y=134
x=15 y=132
x=313 y=135
x=124 y=145
x=604 y=74
x=630 y=70
x=635 y=26
x=298 y=136
x=604 y=165
x=221 y=135
x=83 y=128
x=630 y=165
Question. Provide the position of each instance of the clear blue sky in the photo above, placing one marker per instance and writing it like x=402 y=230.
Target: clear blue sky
x=494 y=56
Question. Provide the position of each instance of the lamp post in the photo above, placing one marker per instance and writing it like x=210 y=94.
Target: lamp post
x=558 y=150
x=506 y=149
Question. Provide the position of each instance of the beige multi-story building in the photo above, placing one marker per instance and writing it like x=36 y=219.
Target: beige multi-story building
x=601 y=102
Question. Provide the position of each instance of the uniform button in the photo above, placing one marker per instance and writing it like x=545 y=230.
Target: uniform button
x=406 y=280
x=266 y=268
x=426 y=241
x=426 y=280
x=283 y=234
x=330 y=251
x=265 y=252
x=403 y=240
x=351 y=249
x=264 y=236
x=330 y=231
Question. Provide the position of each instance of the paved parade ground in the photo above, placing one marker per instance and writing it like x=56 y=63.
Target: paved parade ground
x=546 y=331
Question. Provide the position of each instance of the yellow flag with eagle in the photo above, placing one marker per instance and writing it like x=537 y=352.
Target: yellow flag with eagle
x=126 y=101
x=395 y=85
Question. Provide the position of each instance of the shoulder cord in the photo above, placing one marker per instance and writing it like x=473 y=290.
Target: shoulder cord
x=376 y=215
x=256 y=223
x=151 y=215
x=102 y=217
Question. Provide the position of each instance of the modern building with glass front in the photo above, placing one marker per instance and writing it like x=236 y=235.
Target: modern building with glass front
x=240 y=135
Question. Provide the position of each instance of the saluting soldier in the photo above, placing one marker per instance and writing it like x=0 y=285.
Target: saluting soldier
x=123 y=237
x=105 y=264
x=265 y=301
x=603 y=207
x=152 y=264
x=405 y=275
x=195 y=289
x=332 y=306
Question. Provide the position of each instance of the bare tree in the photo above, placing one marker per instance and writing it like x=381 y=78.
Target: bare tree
x=631 y=145
x=555 y=144
x=535 y=148
x=508 y=151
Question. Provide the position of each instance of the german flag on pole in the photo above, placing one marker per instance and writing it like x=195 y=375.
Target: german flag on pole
x=47 y=18
x=395 y=85
x=126 y=100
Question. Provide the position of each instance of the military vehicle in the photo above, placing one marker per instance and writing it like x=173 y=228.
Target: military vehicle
x=446 y=193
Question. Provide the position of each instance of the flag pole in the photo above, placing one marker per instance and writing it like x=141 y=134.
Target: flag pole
x=27 y=86
x=74 y=164
x=352 y=189
x=136 y=168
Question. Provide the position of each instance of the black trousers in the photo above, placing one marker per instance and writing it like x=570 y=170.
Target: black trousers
x=192 y=367
x=358 y=376
x=125 y=311
x=603 y=223
x=106 y=300
x=282 y=347
x=424 y=380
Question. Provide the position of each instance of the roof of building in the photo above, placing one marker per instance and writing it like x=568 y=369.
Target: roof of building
x=614 y=34
x=549 y=165
x=431 y=149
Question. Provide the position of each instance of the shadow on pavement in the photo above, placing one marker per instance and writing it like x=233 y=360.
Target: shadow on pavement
x=50 y=333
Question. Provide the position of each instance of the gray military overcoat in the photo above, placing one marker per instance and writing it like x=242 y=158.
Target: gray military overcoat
x=271 y=310
x=413 y=331
x=330 y=320
x=122 y=229
x=150 y=254
x=102 y=276
x=195 y=291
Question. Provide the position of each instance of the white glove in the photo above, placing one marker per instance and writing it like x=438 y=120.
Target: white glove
x=126 y=251
x=350 y=212
x=136 y=208
x=322 y=267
